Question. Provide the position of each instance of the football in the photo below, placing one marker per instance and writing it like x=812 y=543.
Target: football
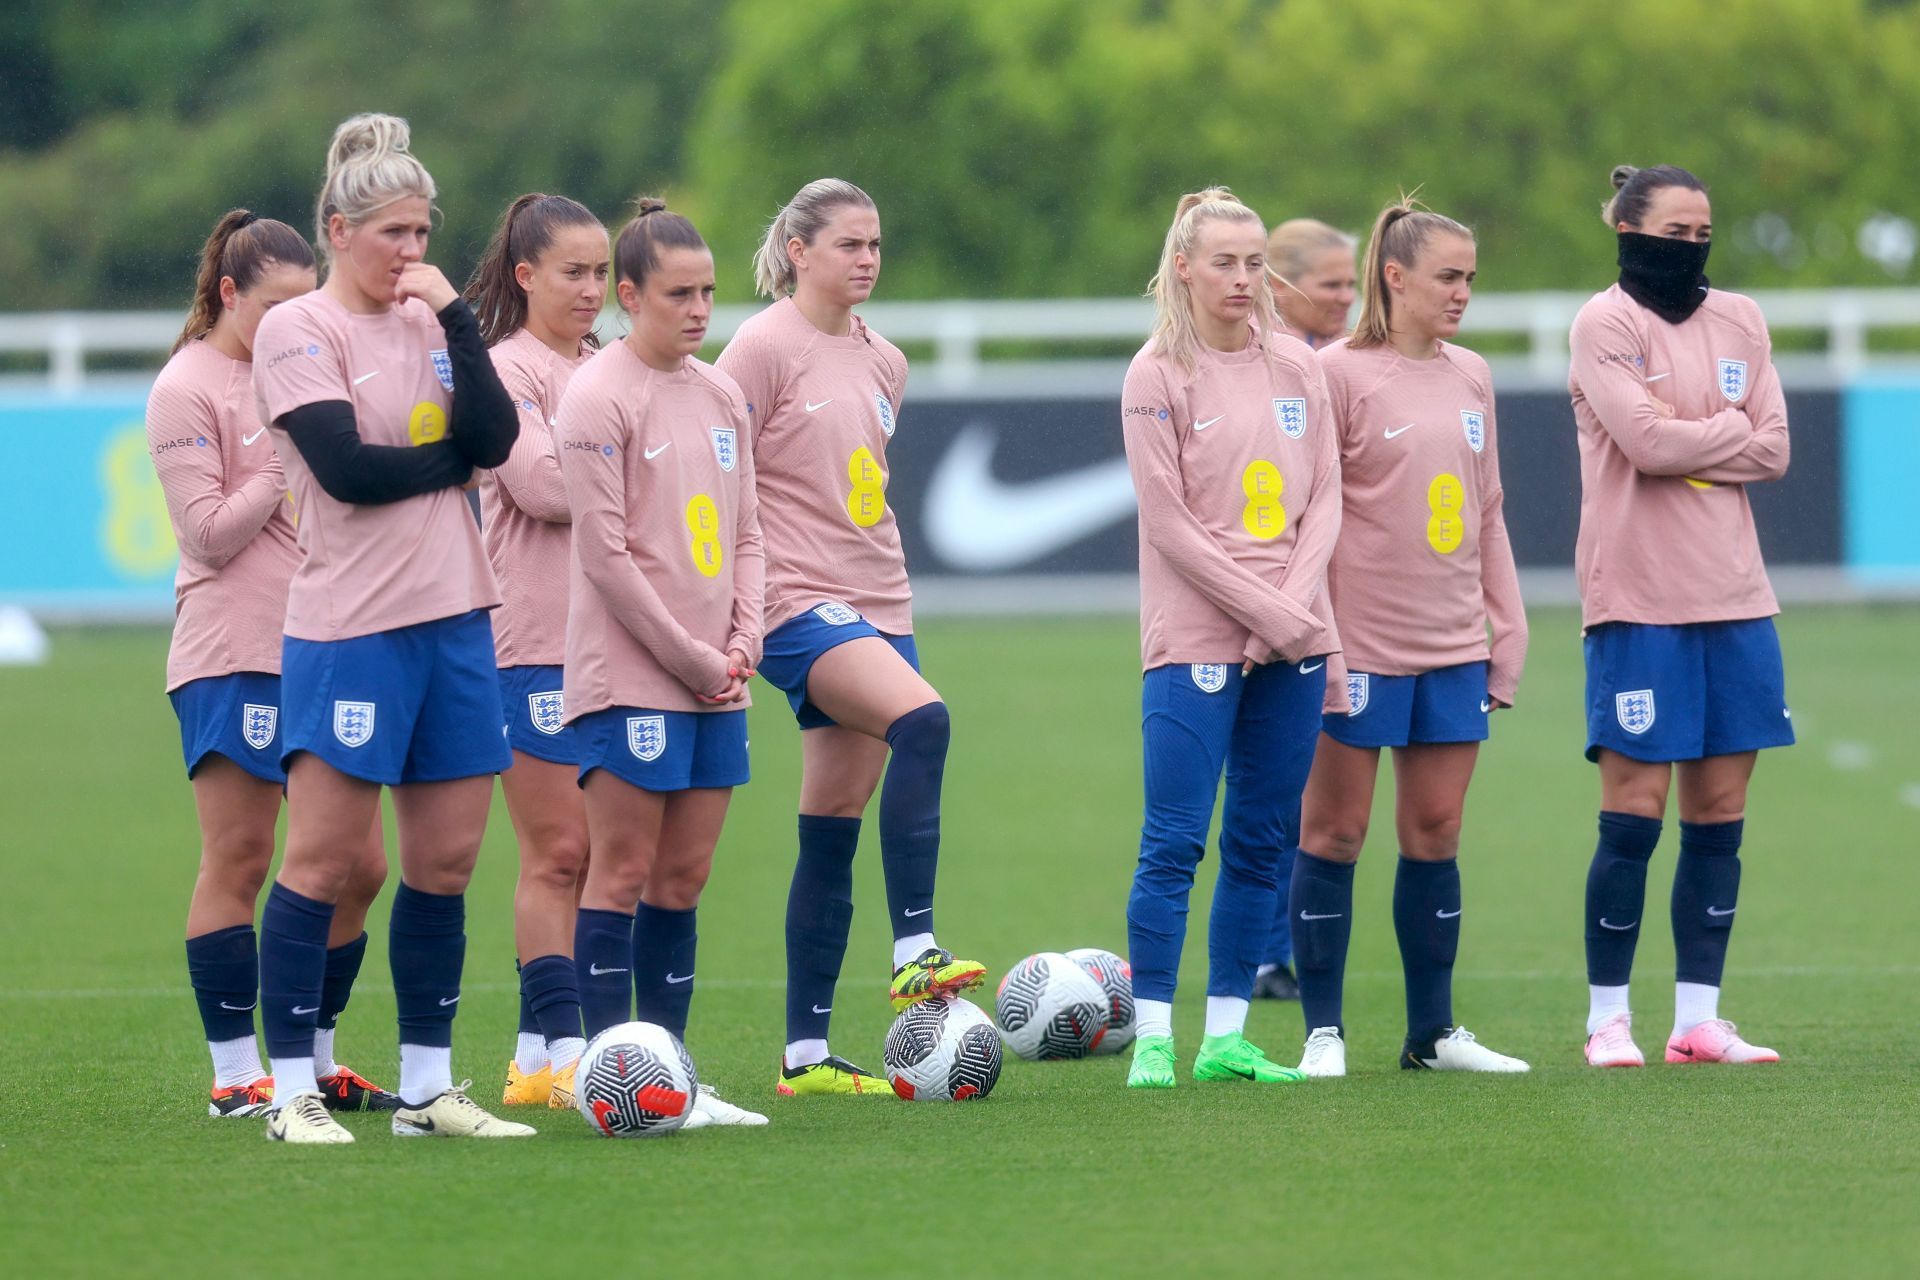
x=1050 y=1008
x=635 y=1080
x=943 y=1050
x=1115 y=977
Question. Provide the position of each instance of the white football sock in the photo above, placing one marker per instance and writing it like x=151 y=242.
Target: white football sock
x=426 y=1072
x=1693 y=1004
x=910 y=947
x=804 y=1053
x=323 y=1063
x=1264 y=970
x=235 y=1062
x=530 y=1053
x=565 y=1051
x=291 y=1078
x=1153 y=1018
x=1604 y=1003
x=1226 y=1015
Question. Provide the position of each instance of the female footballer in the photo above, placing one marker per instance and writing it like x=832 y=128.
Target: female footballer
x=823 y=399
x=537 y=292
x=1421 y=578
x=1317 y=283
x=383 y=401
x=226 y=496
x=663 y=628
x=1679 y=409
x=1235 y=464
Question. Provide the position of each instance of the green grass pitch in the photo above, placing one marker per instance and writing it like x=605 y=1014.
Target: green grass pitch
x=108 y=1162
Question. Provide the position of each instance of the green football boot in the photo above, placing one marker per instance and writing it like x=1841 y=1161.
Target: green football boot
x=1153 y=1063
x=1232 y=1057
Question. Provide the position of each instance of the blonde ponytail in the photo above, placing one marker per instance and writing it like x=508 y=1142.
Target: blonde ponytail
x=801 y=217
x=1174 y=332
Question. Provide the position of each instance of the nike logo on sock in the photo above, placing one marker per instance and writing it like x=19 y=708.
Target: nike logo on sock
x=678 y=981
x=596 y=971
x=241 y=1008
x=1716 y=913
x=818 y=1009
x=299 y=1012
x=447 y=1000
x=911 y=914
x=1608 y=924
x=1334 y=916
x=815 y=408
x=1447 y=915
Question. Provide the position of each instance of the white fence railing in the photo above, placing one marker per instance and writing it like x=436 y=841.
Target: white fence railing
x=68 y=341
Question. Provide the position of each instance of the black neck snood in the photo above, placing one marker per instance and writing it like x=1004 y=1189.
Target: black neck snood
x=1664 y=276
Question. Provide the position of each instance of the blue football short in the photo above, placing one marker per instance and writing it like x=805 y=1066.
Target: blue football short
x=664 y=750
x=536 y=713
x=414 y=704
x=236 y=716
x=1663 y=693
x=796 y=644
x=1447 y=704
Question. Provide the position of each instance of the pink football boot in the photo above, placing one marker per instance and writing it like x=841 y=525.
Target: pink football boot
x=1716 y=1041
x=1612 y=1045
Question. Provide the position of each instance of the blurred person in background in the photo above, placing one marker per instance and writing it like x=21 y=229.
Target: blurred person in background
x=1317 y=281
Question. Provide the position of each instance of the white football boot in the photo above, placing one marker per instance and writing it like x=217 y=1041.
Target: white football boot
x=1326 y=1055
x=709 y=1108
x=1459 y=1051
x=304 y=1118
x=454 y=1115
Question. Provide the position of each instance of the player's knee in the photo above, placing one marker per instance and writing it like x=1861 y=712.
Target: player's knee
x=237 y=860
x=924 y=731
x=559 y=856
x=365 y=878
x=677 y=888
x=1432 y=837
x=1336 y=841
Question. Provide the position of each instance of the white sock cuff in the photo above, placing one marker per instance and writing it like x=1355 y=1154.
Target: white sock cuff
x=804 y=1053
x=530 y=1053
x=910 y=947
x=291 y=1078
x=1153 y=1017
x=1226 y=1015
x=1604 y=1003
x=426 y=1072
x=235 y=1062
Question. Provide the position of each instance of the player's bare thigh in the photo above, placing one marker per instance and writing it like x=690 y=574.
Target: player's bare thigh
x=1430 y=782
x=1338 y=800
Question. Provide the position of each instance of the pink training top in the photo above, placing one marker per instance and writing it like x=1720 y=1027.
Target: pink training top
x=1423 y=564
x=1674 y=420
x=377 y=567
x=668 y=569
x=822 y=410
x=1236 y=466
x=523 y=509
x=226 y=497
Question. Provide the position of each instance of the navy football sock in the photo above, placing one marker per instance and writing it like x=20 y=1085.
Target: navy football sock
x=550 y=987
x=1321 y=899
x=1426 y=918
x=225 y=968
x=427 y=948
x=336 y=988
x=819 y=916
x=529 y=1024
x=603 y=968
x=1706 y=888
x=910 y=816
x=663 y=957
x=293 y=968
x=1616 y=895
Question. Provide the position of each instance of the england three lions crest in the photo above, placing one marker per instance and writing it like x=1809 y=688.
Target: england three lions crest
x=548 y=711
x=1733 y=379
x=257 y=724
x=1292 y=417
x=885 y=406
x=647 y=737
x=353 y=723
x=725 y=446
x=1356 y=692
x=1210 y=677
x=442 y=367
x=1474 y=423
x=1634 y=710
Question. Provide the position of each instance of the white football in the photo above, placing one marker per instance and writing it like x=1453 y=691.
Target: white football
x=1115 y=977
x=635 y=1080
x=942 y=1050
x=1050 y=1008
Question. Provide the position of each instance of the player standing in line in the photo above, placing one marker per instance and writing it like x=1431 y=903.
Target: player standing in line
x=537 y=292
x=1679 y=408
x=1236 y=465
x=1313 y=290
x=1422 y=573
x=383 y=401
x=226 y=496
x=663 y=628
x=823 y=398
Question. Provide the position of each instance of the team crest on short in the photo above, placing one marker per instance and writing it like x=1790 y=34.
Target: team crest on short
x=442 y=367
x=835 y=614
x=548 y=711
x=353 y=723
x=724 y=441
x=1292 y=416
x=1733 y=379
x=646 y=737
x=1357 y=682
x=885 y=406
x=257 y=724
x=1634 y=710
x=1474 y=422
x=1210 y=677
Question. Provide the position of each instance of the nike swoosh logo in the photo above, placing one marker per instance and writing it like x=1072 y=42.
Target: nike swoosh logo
x=240 y=1008
x=297 y=1012
x=818 y=1009
x=976 y=522
x=1306 y=670
x=1245 y=1073
x=815 y=408
x=911 y=914
x=1608 y=924
x=596 y=971
x=247 y=440
x=1717 y=914
x=1655 y=377
x=677 y=981
x=1448 y=915
x=1202 y=426
x=1485 y=706
x=1400 y=431
x=1335 y=916
x=363 y=377
x=447 y=1000
x=654 y=453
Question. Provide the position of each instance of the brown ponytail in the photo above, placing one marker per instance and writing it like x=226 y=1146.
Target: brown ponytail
x=1399 y=234
x=241 y=247
x=652 y=228
x=1633 y=191
x=524 y=232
